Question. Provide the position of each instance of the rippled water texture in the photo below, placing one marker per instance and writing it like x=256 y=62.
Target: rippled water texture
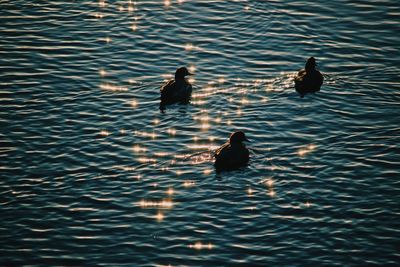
x=92 y=173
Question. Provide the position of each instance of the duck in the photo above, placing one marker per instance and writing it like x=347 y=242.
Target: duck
x=233 y=154
x=308 y=80
x=177 y=90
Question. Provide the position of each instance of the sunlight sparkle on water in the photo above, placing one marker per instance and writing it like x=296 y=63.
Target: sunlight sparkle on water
x=205 y=126
x=192 y=69
x=104 y=133
x=305 y=150
x=98 y=15
x=170 y=191
x=208 y=171
x=102 y=3
x=171 y=131
x=249 y=191
x=134 y=27
x=160 y=216
x=163 y=204
x=134 y=103
x=138 y=149
x=199 y=245
x=113 y=88
x=271 y=193
x=130 y=8
x=189 y=47
x=146 y=160
x=269 y=182
x=244 y=101
x=189 y=183
x=102 y=72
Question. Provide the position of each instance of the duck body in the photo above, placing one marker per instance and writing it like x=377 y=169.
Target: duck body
x=233 y=154
x=178 y=90
x=308 y=80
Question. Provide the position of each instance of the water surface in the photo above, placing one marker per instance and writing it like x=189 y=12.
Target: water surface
x=92 y=173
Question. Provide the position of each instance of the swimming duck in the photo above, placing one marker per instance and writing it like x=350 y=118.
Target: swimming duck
x=233 y=154
x=177 y=90
x=308 y=80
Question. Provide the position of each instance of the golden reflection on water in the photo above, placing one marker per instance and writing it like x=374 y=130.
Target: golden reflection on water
x=189 y=47
x=102 y=3
x=270 y=184
x=113 y=88
x=244 y=101
x=160 y=204
x=192 y=69
x=307 y=204
x=171 y=131
x=98 y=15
x=161 y=154
x=305 y=150
x=249 y=191
x=167 y=3
x=199 y=245
x=134 y=27
x=104 y=133
x=160 y=216
x=151 y=135
x=271 y=192
x=138 y=149
x=207 y=171
x=189 y=183
x=205 y=126
x=134 y=103
x=170 y=191
x=102 y=72
x=146 y=160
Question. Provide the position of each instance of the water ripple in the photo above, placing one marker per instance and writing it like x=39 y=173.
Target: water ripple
x=89 y=165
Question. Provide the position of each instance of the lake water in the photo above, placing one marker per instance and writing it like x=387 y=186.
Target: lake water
x=93 y=174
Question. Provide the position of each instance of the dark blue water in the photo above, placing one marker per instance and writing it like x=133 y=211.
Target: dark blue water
x=92 y=174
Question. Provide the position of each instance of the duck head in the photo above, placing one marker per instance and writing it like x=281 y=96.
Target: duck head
x=181 y=73
x=310 y=65
x=237 y=138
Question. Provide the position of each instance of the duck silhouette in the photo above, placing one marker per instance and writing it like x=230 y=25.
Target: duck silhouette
x=177 y=90
x=233 y=154
x=308 y=80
